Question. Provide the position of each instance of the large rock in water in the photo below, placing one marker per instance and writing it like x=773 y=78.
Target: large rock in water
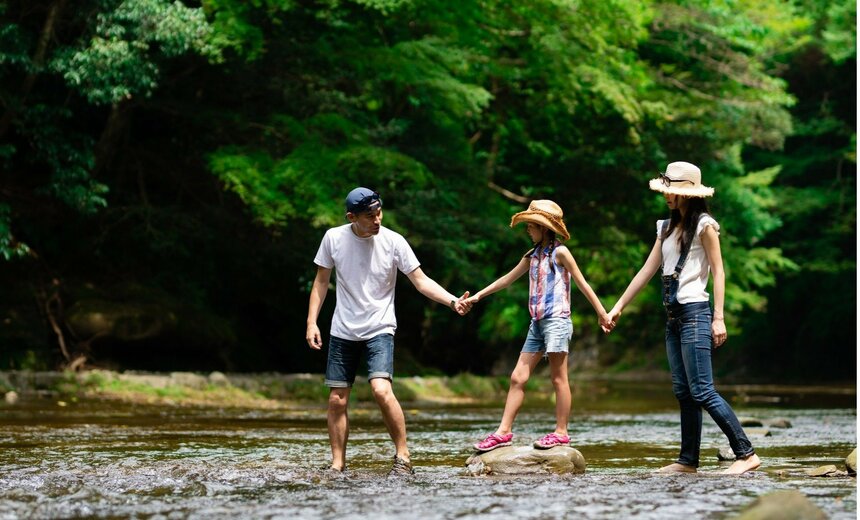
x=523 y=460
x=851 y=462
x=786 y=504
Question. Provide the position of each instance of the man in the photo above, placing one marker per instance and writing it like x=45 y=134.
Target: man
x=366 y=257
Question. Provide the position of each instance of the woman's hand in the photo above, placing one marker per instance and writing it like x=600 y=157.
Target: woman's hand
x=718 y=331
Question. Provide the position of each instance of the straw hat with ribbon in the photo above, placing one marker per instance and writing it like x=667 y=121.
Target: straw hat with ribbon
x=681 y=178
x=545 y=213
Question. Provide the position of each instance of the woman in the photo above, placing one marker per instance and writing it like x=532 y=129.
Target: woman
x=688 y=248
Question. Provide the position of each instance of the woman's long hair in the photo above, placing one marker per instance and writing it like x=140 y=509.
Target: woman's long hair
x=696 y=206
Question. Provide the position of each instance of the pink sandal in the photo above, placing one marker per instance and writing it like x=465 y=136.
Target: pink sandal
x=551 y=440
x=493 y=441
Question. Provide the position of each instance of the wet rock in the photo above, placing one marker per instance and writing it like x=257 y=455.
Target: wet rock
x=726 y=453
x=522 y=460
x=11 y=397
x=218 y=379
x=777 y=423
x=823 y=471
x=757 y=432
x=851 y=462
x=782 y=505
x=764 y=423
x=750 y=421
x=188 y=379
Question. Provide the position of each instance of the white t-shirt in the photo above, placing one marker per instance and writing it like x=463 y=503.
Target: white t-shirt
x=366 y=273
x=693 y=280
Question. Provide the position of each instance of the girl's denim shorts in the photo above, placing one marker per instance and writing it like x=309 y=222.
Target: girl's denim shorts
x=549 y=335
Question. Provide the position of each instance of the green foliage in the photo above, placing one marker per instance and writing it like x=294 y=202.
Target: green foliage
x=203 y=148
x=121 y=58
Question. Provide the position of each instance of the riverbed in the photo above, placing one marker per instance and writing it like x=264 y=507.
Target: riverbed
x=93 y=459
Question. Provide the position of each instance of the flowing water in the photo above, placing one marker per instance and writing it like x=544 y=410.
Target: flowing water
x=107 y=460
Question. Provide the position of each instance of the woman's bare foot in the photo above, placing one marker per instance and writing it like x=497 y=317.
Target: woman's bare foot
x=743 y=465
x=676 y=467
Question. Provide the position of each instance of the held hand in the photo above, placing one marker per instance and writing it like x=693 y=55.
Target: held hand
x=606 y=324
x=471 y=300
x=718 y=330
x=463 y=304
x=313 y=337
x=613 y=316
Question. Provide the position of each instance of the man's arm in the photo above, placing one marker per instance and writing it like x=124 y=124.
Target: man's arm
x=432 y=290
x=318 y=292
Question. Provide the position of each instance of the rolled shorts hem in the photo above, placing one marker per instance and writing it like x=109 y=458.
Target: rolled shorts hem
x=337 y=384
x=380 y=375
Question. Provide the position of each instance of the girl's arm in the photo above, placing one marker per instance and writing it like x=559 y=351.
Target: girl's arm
x=652 y=263
x=506 y=280
x=711 y=243
x=565 y=258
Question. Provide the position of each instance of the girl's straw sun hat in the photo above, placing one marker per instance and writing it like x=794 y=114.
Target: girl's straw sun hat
x=681 y=178
x=545 y=213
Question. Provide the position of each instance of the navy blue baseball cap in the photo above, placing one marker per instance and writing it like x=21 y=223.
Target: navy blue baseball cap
x=360 y=200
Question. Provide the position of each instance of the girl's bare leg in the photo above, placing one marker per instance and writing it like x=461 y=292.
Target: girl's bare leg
x=558 y=374
x=516 y=393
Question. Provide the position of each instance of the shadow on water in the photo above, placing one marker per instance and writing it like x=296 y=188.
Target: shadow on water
x=96 y=459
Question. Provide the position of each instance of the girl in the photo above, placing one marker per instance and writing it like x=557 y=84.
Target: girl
x=688 y=247
x=550 y=266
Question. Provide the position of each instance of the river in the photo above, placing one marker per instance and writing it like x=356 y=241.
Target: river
x=91 y=459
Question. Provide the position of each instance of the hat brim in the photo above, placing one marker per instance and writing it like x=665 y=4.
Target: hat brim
x=698 y=191
x=536 y=218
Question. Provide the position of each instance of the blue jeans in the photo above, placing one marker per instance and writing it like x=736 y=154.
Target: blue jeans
x=344 y=355
x=688 y=345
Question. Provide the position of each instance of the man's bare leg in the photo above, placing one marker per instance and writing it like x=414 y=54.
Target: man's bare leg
x=392 y=414
x=338 y=426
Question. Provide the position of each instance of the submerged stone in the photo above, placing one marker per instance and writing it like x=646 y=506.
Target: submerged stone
x=725 y=453
x=782 y=505
x=823 y=471
x=524 y=460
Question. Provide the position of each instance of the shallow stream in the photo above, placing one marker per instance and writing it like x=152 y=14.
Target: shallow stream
x=107 y=460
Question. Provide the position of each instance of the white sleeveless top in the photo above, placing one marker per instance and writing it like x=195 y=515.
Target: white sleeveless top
x=693 y=280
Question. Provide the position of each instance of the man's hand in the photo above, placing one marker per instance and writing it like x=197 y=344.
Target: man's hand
x=313 y=336
x=464 y=304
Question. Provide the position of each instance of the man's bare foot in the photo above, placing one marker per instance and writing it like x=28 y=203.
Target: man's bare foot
x=743 y=465
x=676 y=468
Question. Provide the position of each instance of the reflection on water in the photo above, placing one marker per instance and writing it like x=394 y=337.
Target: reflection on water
x=98 y=460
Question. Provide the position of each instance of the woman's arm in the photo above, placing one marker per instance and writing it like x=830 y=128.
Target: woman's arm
x=711 y=243
x=652 y=263
x=506 y=280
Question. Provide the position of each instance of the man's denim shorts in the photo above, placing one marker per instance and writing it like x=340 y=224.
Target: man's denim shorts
x=344 y=355
x=549 y=335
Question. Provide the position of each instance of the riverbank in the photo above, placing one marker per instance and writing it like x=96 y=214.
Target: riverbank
x=275 y=390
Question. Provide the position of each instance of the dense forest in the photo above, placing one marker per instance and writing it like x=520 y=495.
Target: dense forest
x=169 y=168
